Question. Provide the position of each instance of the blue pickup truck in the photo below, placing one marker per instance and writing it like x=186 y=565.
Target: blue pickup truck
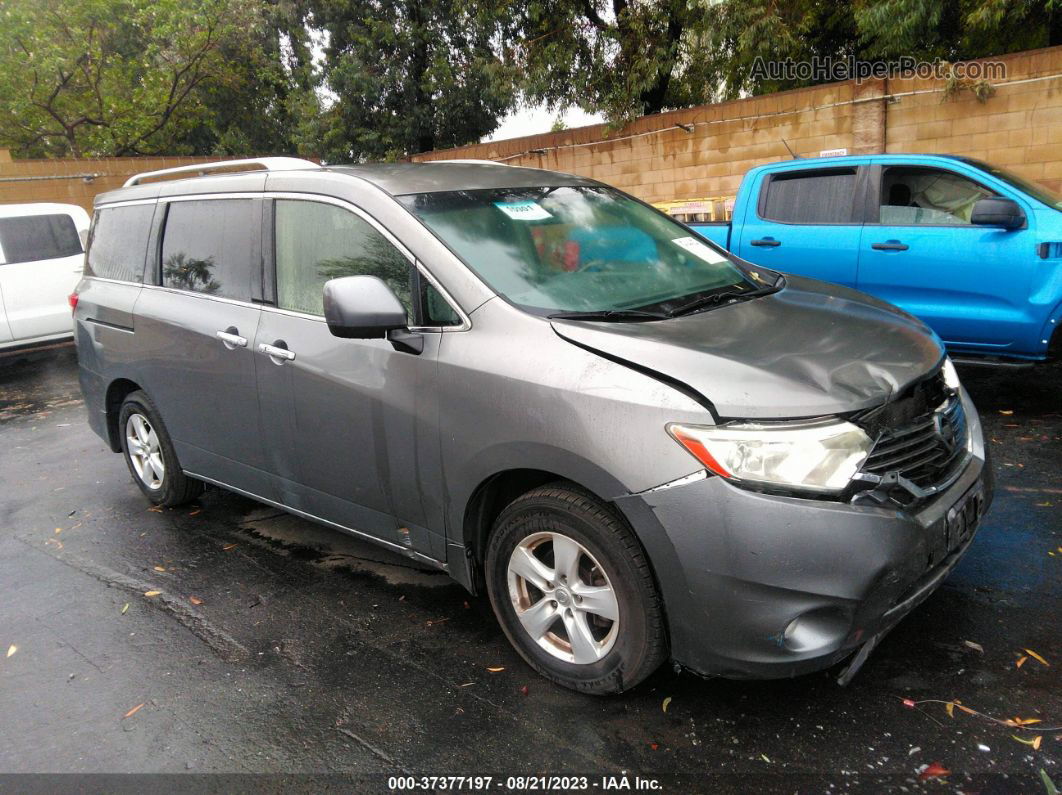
x=973 y=250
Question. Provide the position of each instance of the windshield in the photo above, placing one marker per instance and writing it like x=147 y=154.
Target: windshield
x=1042 y=193
x=576 y=249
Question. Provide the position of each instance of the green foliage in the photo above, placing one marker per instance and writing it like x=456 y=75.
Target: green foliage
x=122 y=77
x=408 y=76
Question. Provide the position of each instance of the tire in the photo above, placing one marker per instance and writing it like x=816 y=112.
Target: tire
x=139 y=417
x=556 y=524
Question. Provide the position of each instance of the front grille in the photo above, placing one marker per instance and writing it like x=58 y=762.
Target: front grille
x=926 y=451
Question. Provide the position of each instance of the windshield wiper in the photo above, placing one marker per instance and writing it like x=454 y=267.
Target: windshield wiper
x=715 y=298
x=617 y=315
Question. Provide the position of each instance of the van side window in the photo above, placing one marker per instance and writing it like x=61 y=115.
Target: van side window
x=118 y=242
x=823 y=196
x=209 y=247
x=927 y=196
x=30 y=238
x=316 y=242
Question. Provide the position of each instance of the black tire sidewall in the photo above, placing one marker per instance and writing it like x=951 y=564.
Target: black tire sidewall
x=632 y=647
x=172 y=480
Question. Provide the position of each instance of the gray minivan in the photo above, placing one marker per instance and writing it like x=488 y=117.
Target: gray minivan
x=639 y=446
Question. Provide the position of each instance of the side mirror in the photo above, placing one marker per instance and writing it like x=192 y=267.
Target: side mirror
x=364 y=307
x=997 y=212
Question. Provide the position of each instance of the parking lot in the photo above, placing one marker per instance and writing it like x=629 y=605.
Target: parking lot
x=230 y=637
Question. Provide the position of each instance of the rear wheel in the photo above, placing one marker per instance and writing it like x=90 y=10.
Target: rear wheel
x=572 y=589
x=150 y=456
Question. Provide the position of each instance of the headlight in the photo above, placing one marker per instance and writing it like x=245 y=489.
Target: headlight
x=818 y=456
x=951 y=378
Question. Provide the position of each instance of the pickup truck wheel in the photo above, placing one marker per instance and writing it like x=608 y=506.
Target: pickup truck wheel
x=150 y=456
x=573 y=592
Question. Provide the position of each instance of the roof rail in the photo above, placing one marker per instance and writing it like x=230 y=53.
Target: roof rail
x=199 y=169
x=476 y=162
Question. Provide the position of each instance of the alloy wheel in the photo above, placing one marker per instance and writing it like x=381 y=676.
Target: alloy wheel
x=145 y=453
x=563 y=598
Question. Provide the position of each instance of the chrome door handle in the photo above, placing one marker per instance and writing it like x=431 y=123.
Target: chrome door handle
x=232 y=341
x=275 y=353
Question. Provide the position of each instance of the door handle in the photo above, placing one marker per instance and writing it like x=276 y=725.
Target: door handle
x=278 y=354
x=231 y=339
x=768 y=242
x=890 y=245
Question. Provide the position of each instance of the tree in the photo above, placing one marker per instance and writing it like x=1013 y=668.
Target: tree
x=408 y=76
x=620 y=57
x=125 y=77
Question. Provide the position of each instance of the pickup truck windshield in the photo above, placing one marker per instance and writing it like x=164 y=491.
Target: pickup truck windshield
x=577 y=249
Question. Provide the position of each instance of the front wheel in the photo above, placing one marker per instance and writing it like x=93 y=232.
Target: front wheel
x=573 y=591
x=150 y=456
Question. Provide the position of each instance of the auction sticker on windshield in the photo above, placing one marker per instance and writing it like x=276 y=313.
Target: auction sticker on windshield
x=699 y=249
x=523 y=211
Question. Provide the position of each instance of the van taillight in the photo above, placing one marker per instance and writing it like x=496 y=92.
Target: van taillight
x=72 y=300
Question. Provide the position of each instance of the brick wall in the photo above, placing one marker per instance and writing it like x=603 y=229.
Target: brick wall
x=72 y=181
x=704 y=151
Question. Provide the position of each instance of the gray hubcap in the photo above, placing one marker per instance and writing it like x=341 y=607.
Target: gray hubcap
x=142 y=446
x=563 y=598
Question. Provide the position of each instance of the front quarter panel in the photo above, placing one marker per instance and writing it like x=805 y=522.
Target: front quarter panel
x=514 y=395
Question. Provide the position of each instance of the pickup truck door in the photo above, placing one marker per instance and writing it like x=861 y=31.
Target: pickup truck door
x=920 y=251
x=804 y=221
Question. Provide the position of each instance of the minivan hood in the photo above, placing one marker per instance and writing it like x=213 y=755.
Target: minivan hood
x=810 y=350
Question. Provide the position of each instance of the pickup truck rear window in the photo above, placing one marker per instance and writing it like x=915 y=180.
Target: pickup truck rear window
x=30 y=238
x=823 y=196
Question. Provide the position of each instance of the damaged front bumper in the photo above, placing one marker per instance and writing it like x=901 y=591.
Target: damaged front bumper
x=767 y=586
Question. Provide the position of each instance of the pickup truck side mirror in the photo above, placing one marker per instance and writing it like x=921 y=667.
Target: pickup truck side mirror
x=364 y=307
x=997 y=212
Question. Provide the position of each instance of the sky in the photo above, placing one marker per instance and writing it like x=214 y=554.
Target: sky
x=537 y=119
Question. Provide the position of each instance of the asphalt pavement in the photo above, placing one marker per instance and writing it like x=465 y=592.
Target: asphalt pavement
x=230 y=638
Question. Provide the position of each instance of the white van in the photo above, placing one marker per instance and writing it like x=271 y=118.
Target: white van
x=41 y=261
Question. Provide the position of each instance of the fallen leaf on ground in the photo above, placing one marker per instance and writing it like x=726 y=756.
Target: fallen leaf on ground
x=152 y=593
x=975 y=646
x=525 y=690
x=765 y=759
x=1049 y=785
x=11 y=649
x=496 y=670
x=1034 y=743
x=935 y=770
x=155 y=509
x=1024 y=721
x=908 y=703
x=1006 y=412
x=133 y=711
x=653 y=746
x=950 y=709
x=195 y=600
x=125 y=607
x=1021 y=661
x=667 y=703
x=227 y=547
x=196 y=512
x=159 y=568
x=1037 y=657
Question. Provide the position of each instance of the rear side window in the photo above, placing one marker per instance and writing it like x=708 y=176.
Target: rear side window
x=810 y=197
x=119 y=242
x=209 y=247
x=35 y=237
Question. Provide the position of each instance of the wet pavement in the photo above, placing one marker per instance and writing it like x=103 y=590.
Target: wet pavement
x=277 y=646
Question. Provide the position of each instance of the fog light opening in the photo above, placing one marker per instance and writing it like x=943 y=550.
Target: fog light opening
x=817 y=630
